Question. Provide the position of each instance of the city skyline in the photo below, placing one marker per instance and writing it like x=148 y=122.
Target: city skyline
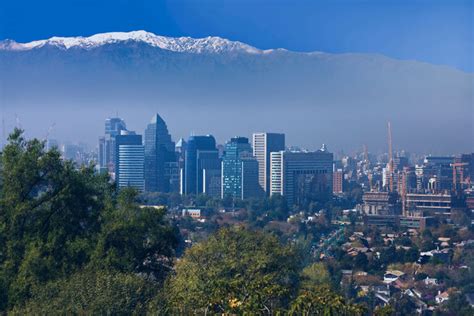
x=222 y=141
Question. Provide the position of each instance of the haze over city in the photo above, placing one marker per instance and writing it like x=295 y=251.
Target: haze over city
x=363 y=75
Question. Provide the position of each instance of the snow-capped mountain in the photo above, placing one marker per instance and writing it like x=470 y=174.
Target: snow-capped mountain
x=178 y=44
x=214 y=85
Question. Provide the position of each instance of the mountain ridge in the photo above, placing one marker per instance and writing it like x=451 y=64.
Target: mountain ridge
x=199 y=84
x=210 y=44
x=183 y=44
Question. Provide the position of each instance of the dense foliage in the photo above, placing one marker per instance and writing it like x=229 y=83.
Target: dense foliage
x=57 y=220
x=234 y=271
x=91 y=292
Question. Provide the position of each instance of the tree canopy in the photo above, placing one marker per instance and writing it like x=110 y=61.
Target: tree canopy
x=57 y=219
x=236 y=270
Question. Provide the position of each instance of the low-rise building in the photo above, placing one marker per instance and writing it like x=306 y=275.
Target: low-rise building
x=194 y=213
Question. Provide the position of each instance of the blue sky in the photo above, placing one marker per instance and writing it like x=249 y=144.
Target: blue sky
x=439 y=32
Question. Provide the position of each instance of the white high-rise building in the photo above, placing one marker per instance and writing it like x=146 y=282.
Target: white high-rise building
x=263 y=144
x=130 y=162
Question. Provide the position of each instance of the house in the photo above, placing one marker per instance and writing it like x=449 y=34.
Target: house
x=384 y=298
x=443 y=255
x=413 y=293
x=430 y=281
x=382 y=289
x=442 y=297
x=415 y=296
x=445 y=240
x=193 y=213
x=392 y=276
x=361 y=273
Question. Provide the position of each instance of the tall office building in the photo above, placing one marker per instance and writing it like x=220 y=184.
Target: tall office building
x=114 y=125
x=106 y=154
x=263 y=145
x=301 y=175
x=130 y=162
x=161 y=166
x=239 y=170
x=337 y=181
x=202 y=166
x=180 y=149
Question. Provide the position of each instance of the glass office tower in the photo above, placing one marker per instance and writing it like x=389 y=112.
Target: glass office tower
x=161 y=173
x=202 y=166
x=239 y=170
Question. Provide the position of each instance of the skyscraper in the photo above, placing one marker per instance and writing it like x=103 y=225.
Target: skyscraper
x=337 y=181
x=113 y=127
x=239 y=170
x=161 y=169
x=180 y=149
x=129 y=166
x=202 y=166
x=301 y=175
x=263 y=145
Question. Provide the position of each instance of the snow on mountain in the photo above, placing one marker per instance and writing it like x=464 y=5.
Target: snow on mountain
x=222 y=86
x=209 y=44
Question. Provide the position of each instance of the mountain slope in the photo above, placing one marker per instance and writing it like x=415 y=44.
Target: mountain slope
x=181 y=44
x=213 y=85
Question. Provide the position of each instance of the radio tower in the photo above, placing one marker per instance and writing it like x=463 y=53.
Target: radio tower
x=390 y=157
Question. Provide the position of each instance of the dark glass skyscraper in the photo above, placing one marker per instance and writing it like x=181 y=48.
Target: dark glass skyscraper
x=160 y=158
x=113 y=127
x=239 y=170
x=202 y=166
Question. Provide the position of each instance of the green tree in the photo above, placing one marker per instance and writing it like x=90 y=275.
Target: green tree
x=411 y=255
x=314 y=275
x=403 y=305
x=323 y=301
x=235 y=270
x=136 y=239
x=50 y=216
x=457 y=305
x=57 y=219
x=91 y=293
x=360 y=261
x=386 y=310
